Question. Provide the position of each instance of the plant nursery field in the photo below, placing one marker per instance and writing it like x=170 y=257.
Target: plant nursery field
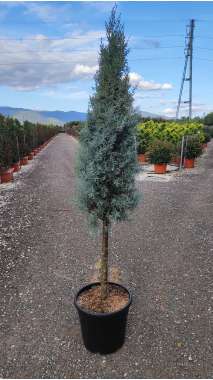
x=164 y=255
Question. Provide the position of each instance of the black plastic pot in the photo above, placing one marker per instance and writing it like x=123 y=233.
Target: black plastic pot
x=103 y=332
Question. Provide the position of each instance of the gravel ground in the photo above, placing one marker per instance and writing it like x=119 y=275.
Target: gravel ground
x=164 y=254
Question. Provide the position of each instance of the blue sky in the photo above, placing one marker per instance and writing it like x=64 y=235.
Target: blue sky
x=49 y=53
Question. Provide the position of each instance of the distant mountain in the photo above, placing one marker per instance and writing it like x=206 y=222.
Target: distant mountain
x=36 y=117
x=46 y=117
x=152 y=115
x=54 y=117
x=66 y=116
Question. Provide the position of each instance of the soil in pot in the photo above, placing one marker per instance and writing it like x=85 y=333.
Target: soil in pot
x=160 y=168
x=189 y=163
x=7 y=176
x=91 y=299
x=103 y=325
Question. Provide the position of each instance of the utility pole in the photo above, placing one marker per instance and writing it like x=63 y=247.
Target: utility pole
x=192 y=25
x=188 y=59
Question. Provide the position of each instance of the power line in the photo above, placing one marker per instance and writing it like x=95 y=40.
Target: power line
x=206 y=37
x=50 y=39
x=81 y=37
x=95 y=50
x=154 y=58
x=70 y=22
x=206 y=59
x=157 y=48
x=70 y=62
x=86 y=50
x=21 y=39
x=201 y=48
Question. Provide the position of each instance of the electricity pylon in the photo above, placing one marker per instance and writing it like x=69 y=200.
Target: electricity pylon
x=188 y=60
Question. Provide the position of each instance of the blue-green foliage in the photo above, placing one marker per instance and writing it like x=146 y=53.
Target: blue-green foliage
x=107 y=161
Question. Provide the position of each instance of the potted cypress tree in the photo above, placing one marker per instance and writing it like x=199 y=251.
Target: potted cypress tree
x=106 y=168
x=6 y=172
x=6 y=151
x=14 y=126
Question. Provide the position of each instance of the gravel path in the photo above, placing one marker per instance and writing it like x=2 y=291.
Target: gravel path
x=165 y=256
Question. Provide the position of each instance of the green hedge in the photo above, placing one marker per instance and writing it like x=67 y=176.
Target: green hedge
x=18 y=140
x=170 y=131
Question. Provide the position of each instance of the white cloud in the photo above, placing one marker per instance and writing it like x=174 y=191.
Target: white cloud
x=37 y=61
x=100 y=6
x=47 y=12
x=85 y=70
x=169 y=111
x=134 y=78
x=66 y=94
x=167 y=102
x=139 y=82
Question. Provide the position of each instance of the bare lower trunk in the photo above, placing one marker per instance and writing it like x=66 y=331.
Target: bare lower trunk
x=104 y=260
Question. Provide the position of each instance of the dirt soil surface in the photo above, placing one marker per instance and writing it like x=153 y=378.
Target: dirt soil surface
x=165 y=254
x=91 y=300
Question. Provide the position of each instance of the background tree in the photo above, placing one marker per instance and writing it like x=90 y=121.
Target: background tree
x=107 y=156
x=208 y=119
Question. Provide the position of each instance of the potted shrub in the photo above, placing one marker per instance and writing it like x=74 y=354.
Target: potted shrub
x=160 y=154
x=6 y=174
x=30 y=156
x=207 y=138
x=23 y=147
x=177 y=154
x=143 y=140
x=107 y=164
x=141 y=153
x=6 y=154
x=16 y=157
x=193 y=149
x=16 y=166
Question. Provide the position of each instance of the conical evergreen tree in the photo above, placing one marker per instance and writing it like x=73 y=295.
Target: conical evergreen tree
x=107 y=161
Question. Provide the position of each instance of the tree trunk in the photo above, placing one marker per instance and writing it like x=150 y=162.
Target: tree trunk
x=104 y=260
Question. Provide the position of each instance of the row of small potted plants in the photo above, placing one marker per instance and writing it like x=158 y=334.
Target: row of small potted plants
x=18 y=141
x=7 y=175
x=160 y=153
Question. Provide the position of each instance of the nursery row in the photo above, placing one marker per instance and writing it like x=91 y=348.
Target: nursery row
x=7 y=174
x=160 y=153
x=161 y=142
x=17 y=140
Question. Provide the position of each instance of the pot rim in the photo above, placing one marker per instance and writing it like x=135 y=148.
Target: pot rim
x=98 y=314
